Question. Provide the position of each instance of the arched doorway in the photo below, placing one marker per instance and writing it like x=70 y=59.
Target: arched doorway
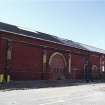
x=57 y=65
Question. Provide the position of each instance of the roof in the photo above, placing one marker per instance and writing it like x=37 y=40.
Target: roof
x=19 y=30
x=44 y=36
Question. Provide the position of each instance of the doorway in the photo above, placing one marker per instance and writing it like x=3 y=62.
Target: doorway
x=57 y=65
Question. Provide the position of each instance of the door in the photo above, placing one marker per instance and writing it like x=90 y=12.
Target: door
x=57 y=64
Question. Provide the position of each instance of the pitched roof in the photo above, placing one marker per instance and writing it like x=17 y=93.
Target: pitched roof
x=36 y=34
x=19 y=30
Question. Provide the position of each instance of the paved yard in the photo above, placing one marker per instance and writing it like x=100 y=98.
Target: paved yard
x=84 y=94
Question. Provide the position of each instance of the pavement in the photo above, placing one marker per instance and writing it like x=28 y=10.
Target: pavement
x=83 y=94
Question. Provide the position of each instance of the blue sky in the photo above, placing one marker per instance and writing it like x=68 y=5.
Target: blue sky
x=78 y=20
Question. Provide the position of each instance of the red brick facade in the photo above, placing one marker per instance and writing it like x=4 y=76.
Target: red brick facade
x=33 y=59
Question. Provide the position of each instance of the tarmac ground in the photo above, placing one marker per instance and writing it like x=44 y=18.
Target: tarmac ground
x=81 y=94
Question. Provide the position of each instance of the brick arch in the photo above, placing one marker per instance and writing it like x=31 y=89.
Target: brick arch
x=57 y=65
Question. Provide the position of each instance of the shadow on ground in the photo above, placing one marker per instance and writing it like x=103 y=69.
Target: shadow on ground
x=21 y=85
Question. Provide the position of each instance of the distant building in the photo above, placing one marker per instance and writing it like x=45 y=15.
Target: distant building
x=26 y=55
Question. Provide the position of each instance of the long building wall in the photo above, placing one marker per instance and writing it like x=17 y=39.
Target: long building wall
x=28 y=59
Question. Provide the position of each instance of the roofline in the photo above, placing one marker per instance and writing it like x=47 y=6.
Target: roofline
x=31 y=36
x=37 y=38
x=24 y=35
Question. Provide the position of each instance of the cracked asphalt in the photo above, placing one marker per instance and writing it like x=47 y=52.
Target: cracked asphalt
x=83 y=94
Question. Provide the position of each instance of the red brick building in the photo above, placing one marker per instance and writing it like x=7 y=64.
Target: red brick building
x=26 y=55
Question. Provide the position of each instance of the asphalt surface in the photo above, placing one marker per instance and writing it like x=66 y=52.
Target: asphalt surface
x=83 y=94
